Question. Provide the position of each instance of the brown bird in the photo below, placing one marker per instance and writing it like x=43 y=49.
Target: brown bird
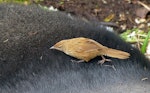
x=86 y=49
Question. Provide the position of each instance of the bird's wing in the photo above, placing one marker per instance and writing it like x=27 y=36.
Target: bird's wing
x=84 y=49
x=87 y=46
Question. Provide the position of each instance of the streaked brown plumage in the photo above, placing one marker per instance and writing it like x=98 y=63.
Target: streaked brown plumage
x=87 y=49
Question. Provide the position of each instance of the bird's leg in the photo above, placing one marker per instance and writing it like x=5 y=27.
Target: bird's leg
x=79 y=61
x=103 y=60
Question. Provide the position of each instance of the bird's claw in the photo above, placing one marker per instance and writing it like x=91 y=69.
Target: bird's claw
x=103 y=61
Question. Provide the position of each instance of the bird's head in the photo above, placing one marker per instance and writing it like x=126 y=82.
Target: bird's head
x=59 y=45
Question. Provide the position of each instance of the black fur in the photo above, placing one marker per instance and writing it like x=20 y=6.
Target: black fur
x=27 y=65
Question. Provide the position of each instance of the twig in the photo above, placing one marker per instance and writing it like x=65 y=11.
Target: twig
x=144 y=5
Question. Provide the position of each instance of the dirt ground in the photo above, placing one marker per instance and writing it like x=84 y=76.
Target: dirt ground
x=120 y=12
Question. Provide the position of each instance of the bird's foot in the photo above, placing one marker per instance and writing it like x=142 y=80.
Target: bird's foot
x=103 y=60
x=77 y=61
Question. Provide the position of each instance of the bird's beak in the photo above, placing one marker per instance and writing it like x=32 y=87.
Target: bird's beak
x=52 y=47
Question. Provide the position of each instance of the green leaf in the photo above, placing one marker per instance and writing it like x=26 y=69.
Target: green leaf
x=145 y=43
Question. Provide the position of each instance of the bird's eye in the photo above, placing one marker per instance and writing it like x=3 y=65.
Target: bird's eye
x=60 y=46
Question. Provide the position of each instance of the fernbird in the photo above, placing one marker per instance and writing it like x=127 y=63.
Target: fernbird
x=86 y=49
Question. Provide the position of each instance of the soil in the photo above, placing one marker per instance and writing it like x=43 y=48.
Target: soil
x=120 y=12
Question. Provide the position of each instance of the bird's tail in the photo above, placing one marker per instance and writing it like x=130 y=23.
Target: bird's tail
x=117 y=53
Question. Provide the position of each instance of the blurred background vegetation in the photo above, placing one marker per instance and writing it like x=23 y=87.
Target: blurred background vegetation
x=20 y=1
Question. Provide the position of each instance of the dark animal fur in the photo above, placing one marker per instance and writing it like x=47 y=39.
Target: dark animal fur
x=27 y=65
